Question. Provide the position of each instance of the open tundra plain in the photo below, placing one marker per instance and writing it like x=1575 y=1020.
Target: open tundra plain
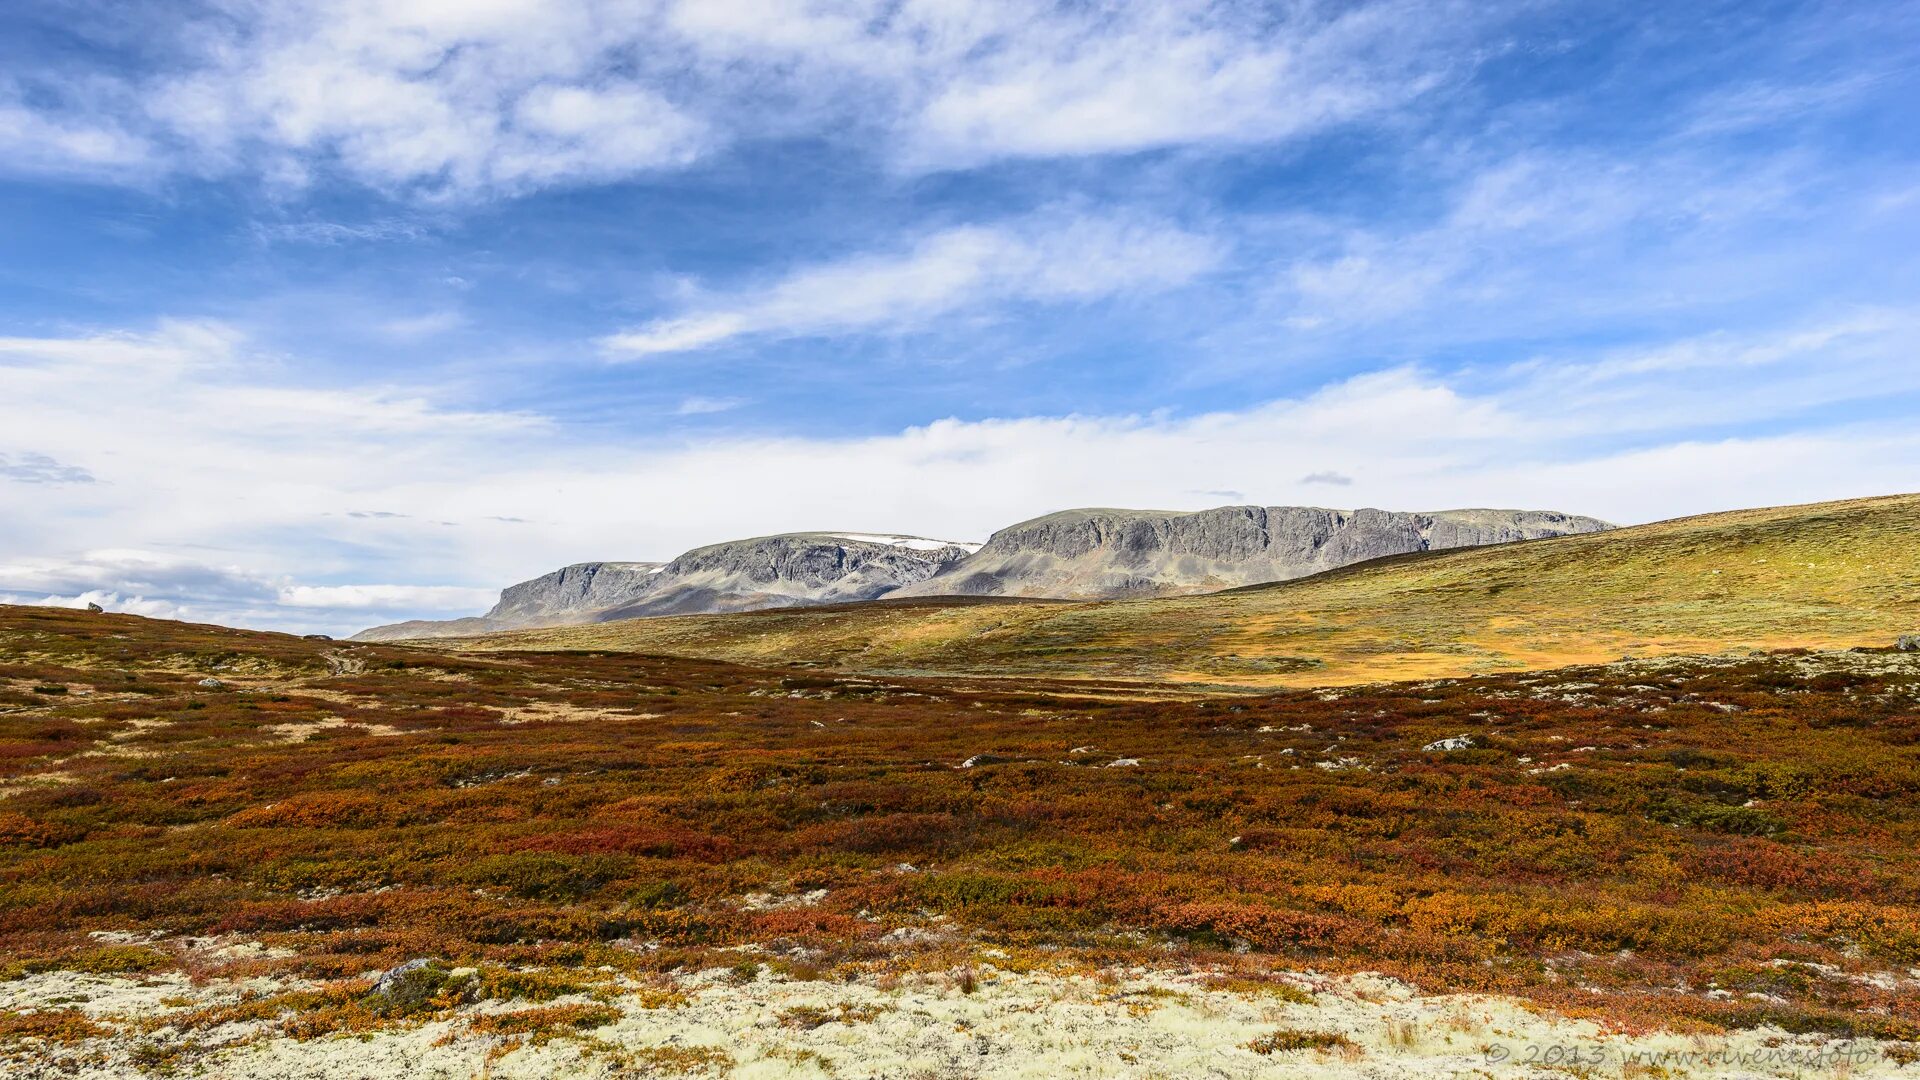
x=229 y=853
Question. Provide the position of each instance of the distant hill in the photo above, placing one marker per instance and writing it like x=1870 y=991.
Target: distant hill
x=762 y=572
x=1074 y=554
x=1825 y=575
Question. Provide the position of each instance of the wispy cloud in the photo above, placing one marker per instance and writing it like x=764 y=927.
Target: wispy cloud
x=34 y=141
x=386 y=597
x=417 y=327
x=706 y=406
x=336 y=233
x=500 y=98
x=1050 y=258
x=41 y=469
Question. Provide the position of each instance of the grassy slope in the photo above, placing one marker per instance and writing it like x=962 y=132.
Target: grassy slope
x=1825 y=575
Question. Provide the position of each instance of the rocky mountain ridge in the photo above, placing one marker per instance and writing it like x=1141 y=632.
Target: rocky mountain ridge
x=738 y=575
x=1073 y=554
x=1094 y=554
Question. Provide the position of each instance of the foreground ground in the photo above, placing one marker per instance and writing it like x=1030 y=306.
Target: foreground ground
x=213 y=844
x=1828 y=575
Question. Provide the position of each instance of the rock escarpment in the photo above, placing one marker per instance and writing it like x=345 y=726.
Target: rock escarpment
x=1074 y=554
x=1101 y=554
x=739 y=575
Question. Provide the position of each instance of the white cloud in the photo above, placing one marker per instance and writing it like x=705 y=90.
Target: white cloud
x=1122 y=78
x=416 y=327
x=1055 y=257
x=336 y=233
x=32 y=141
x=452 y=598
x=493 y=97
x=108 y=600
x=222 y=498
x=1563 y=238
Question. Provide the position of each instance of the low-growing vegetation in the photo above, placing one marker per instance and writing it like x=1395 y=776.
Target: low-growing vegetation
x=1703 y=843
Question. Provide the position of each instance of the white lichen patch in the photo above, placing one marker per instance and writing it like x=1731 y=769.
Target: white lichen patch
x=300 y=731
x=979 y=1021
x=555 y=712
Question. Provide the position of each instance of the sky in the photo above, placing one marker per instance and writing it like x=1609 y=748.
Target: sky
x=317 y=314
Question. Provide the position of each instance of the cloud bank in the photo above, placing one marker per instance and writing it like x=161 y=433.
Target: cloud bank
x=235 y=497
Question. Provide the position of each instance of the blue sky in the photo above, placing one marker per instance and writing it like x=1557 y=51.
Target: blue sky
x=319 y=314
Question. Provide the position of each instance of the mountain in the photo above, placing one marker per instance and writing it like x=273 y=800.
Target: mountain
x=1829 y=575
x=1105 y=554
x=763 y=572
x=1074 y=554
x=789 y=570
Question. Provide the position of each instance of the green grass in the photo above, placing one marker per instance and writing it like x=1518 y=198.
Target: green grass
x=1830 y=575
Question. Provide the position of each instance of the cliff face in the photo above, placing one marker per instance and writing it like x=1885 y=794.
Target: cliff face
x=1074 y=554
x=788 y=570
x=1092 y=554
x=581 y=587
x=739 y=575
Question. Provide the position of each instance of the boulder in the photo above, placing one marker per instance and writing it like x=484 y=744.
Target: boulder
x=1908 y=643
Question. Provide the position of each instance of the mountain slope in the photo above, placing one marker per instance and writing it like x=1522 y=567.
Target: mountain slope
x=788 y=570
x=1099 y=554
x=762 y=572
x=1826 y=575
x=1074 y=554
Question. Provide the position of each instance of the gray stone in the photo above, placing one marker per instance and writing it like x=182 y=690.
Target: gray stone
x=1074 y=554
x=95 y=609
x=1457 y=742
x=395 y=977
x=1908 y=643
x=1101 y=554
x=788 y=570
x=211 y=684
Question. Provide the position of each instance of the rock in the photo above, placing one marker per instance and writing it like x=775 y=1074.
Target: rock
x=788 y=570
x=1074 y=554
x=418 y=986
x=1908 y=643
x=978 y=760
x=1108 y=554
x=211 y=684
x=95 y=609
x=316 y=637
x=1457 y=742
x=791 y=570
x=393 y=978
x=582 y=587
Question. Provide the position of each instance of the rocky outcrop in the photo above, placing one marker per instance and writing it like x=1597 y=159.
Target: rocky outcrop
x=570 y=590
x=1074 y=554
x=1096 y=554
x=740 y=575
x=789 y=570
x=571 y=594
